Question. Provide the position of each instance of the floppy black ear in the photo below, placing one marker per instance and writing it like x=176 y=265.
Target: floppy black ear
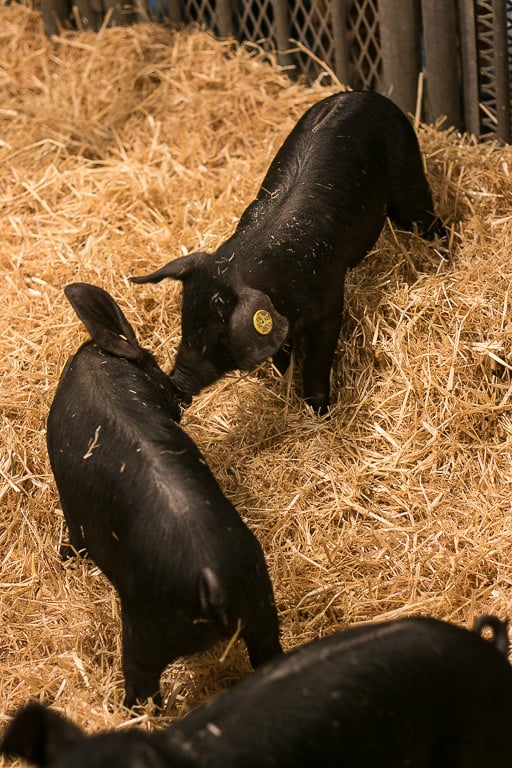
x=39 y=735
x=177 y=269
x=107 y=325
x=257 y=330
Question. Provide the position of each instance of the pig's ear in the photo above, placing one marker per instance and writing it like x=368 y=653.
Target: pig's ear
x=178 y=269
x=104 y=320
x=39 y=735
x=257 y=330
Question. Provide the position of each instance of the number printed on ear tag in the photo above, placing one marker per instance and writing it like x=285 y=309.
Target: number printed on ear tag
x=262 y=321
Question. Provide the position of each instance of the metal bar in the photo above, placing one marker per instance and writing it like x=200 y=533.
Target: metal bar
x=55 y=15
x=341 y=45
x=124 y=12
x=282 y=32
x=223 y=18
x=399 y=24
x=89 y=17
x=469 y=58
x=443 y=95
x=499 y=29
x=174 y=11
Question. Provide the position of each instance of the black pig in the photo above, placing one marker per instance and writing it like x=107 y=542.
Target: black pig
x=350 y=161
x=413 y=692
x=138 y=496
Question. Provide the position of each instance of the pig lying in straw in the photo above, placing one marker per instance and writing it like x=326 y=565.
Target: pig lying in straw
x=350 y=161
x=415 y=692
x=138 y=496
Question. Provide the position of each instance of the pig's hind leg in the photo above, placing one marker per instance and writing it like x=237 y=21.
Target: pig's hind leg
x=262 y=640
x=67 y=550
x=75 y=545
x=414 y=205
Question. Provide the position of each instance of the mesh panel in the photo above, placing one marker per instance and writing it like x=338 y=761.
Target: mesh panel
x=202 y=11
x=365 y=55
x=486 y=80
x=254 y=21
x=311 y=26
x=309 y=23
x=509 y=48
x=494 y=47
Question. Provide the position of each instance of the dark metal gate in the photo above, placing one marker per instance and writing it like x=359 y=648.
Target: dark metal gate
x=452 y=57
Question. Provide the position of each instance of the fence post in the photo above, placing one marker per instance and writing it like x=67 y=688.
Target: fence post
x=174 y=11
x=223 y=18
x=90 y=13
x=282 y=32
x=55 y=15
x=441 y=64
x=123 y=14
x=499 y=32
x=469 y=58
x=340 y=37
x=399 y=24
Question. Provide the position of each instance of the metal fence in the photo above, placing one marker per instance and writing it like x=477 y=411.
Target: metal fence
x=452 y=57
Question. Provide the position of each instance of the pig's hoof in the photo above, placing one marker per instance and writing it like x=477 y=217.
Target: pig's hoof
x=319 y=404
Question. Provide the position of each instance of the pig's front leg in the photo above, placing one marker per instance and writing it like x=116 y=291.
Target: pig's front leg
x=282 y=357
x=321 y=341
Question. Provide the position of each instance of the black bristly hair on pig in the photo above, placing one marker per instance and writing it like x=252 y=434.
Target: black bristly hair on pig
x=138 y=496
x=351 y=160
x=411 y=692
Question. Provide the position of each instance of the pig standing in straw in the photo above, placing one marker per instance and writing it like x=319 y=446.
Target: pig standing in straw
x=139 y=497
x=411 y=693
x=350 y=161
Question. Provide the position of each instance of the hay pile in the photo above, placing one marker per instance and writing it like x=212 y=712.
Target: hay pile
x=122 y=149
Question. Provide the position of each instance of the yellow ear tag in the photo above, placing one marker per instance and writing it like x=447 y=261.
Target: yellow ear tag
x=262 y=321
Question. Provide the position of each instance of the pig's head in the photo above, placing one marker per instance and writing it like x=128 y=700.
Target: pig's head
x=225 y=324
x=47 y=739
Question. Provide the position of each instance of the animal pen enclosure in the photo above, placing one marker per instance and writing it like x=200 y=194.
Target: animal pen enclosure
x=122 y=148
x=453 y=56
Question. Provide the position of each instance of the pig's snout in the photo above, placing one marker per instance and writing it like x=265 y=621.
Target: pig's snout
x=191 y=374
x=186 y=386
x=184 y=400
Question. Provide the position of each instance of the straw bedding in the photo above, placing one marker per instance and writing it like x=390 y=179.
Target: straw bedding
x=121 y=150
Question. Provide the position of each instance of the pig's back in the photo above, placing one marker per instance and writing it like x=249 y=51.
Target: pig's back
x=337 y=143
x=413 y=692
x=129 y=475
